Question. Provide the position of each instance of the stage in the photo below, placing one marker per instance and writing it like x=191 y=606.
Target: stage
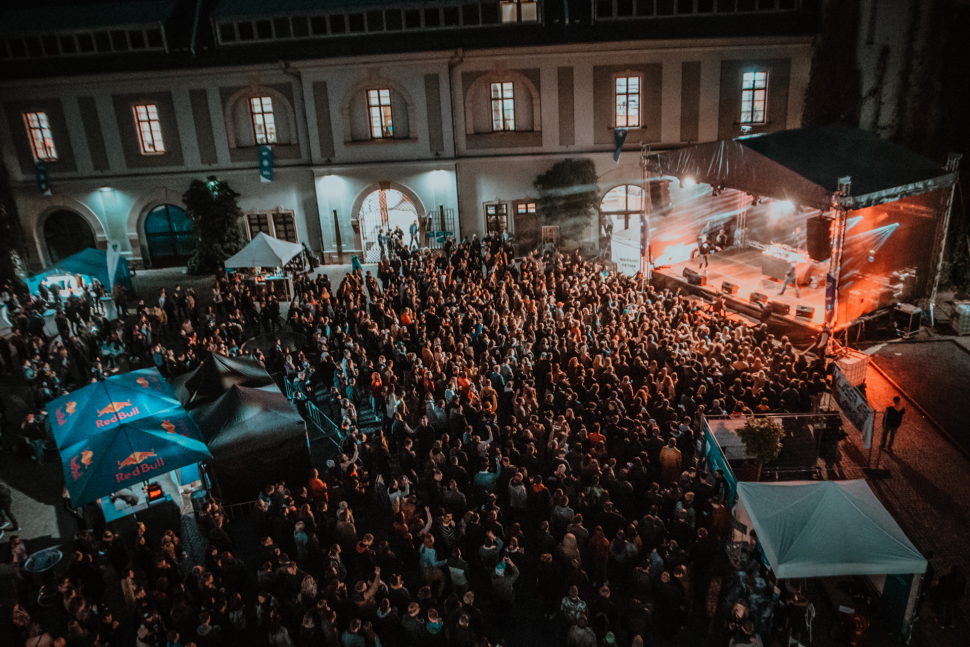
x=742 y=267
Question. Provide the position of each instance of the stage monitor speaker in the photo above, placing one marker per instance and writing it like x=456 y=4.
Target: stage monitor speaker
x=819 y=238
x=728 y=288
x=779 y=307
x=757 y=297
x=806 y=312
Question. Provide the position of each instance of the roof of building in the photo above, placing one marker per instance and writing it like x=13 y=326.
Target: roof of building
x=249 y=8
x=23 y=18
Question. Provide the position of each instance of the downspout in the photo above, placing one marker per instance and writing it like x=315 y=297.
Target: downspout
x=453 y=63
x=299 y=99
x=195 y=25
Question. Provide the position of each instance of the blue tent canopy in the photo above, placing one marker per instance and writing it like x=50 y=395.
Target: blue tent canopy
x=129 y=453
x=95 y=263
x=102 y=406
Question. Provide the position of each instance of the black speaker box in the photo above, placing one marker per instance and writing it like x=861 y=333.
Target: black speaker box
x=728 y=288
x=688 y=272
x=819 y=237
x=757 y=297
x=806 y=312
x=779 y=307
x=697 y=279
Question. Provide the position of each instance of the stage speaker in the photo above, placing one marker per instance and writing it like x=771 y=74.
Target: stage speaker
x=659 y=194
x=728 y=288
x=757 y=297
x=806 y=312
x=907 y=319
x=694 y=278
x=779 y=307
x=819 y=238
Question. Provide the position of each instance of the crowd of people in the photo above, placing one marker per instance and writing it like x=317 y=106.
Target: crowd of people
x=534 y=475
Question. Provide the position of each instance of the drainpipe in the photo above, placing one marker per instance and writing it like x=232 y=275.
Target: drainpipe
x=195 y=25
x=300 y=100
x=453 y=63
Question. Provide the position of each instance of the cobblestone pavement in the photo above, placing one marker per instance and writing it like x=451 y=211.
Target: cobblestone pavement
x=928 y=493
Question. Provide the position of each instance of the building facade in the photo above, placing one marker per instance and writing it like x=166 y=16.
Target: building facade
x=441 y=113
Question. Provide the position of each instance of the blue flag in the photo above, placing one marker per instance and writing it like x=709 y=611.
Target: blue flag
x=619 y=136
x=42 y=177
x=266 y=163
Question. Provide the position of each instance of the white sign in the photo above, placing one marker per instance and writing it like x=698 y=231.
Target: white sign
x=626 y=255
x=854 y=405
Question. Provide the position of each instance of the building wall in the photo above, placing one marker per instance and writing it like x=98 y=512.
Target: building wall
x=443 y=153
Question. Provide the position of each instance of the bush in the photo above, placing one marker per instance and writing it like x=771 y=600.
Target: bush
x=762 y=440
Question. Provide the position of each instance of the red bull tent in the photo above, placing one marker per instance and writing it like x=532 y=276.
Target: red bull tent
x=104 y=405
x=124 y=454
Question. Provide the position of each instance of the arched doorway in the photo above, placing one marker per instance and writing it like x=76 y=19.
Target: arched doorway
x=620 y=206
x=169 y=235
x=383 y=209
x=66 y=233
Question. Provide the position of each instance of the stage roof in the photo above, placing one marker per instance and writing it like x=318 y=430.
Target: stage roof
x=804 y=166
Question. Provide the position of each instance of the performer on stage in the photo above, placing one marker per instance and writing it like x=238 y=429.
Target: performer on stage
x=703 y=252
x=790 y=279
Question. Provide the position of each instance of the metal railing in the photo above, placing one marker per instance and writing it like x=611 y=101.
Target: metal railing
x=326 y=427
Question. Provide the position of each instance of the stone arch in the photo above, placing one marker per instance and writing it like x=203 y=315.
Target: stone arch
x=372 y=81
x=287 y=135
x=36 y=220
x=366 y=191
x=480 y=87
x=136 y=219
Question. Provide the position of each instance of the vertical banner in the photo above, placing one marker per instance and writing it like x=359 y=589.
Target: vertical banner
x=619 y=136
x=266 y=163
x=43 y=179
x=854 y=405
x=831 y=288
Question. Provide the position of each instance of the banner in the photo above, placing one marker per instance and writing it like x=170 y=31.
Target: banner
x=831 y=287
x=42 y=177
x=854 y=405
x=619 y=136
x=626 y=255
x=266 y=163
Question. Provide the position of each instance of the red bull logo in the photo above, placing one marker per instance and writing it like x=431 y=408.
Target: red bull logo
x=86 y=457
x=138 y=460
x=70 y=407
x=168 y=426
x=142 y=382
x=118 y=409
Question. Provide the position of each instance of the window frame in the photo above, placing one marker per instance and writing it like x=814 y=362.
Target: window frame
x=258 y=119
x=752 y=92
x=516 y=17
x=273 y=228
x=500 y=211
x=627 y=77
x=506 y=118
x=154 y=129
x=46 y=134
x=384 y=113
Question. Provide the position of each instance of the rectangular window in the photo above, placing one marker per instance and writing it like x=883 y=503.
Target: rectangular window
x=41 y=139
x=149 y=129
x=285 y=226
x=628 y=102
x=754 y=98
x=525 y=207
x=496 y=218
x=258 y=222
x=264 y=125
x=529 y=11
x=503 y=107
x=379 y=107
x=513 y=11
x=509 y=11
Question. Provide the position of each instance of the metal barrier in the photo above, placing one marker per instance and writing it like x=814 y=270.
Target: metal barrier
x=236 y=510
x=326 y=427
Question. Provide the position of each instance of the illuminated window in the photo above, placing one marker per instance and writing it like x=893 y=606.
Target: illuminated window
x=525 y=207
x=264 y=124
x=496 y=218
x=41 y=139
x=503 y=107
x=628 y=102
x=513 y=11
x=754 y=98
x=149 y=129
x=379 y=107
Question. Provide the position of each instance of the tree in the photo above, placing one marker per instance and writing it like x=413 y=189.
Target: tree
x=834 y=87
x=568 y=197
x=762 y=440
x=12 y=252
x=215 y=213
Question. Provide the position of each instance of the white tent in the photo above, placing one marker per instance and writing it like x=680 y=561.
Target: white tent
x=826 y=528
x=264 y=251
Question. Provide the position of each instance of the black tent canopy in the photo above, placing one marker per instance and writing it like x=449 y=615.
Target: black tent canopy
x=256 y=437
x=804 y=166
x=216 y=375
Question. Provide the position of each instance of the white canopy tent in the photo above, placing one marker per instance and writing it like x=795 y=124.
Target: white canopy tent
x=826 y=528
x=264 y=251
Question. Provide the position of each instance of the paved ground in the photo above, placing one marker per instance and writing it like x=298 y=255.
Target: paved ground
x=936 y=373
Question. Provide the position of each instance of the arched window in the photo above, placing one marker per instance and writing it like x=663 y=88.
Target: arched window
x=620 y=203
x=169 y=235
x=256 y=116
x=66 y=233
x=384 y=209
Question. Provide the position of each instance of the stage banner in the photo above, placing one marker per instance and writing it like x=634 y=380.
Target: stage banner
x=831 y=287
x=854 y=405
x=626 y=255
x=619 y=136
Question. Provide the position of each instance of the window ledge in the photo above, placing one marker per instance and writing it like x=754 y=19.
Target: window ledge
x=253 y=146
x=384 y=141
x=628 y=127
